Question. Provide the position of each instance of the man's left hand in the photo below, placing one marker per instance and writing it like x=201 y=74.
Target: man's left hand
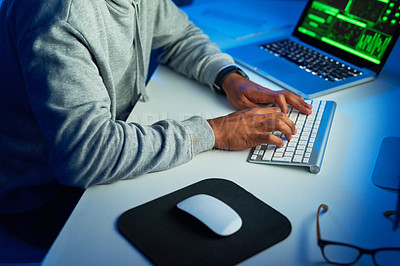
x=243 y=93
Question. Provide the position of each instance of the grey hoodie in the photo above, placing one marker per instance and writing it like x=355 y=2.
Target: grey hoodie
x=69 y=71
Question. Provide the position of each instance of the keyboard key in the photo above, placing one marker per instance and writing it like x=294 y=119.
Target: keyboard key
x=289 y=154
x=302 y=143
x=297 y=158
x=268 y=153
x=290 y=149
x=303 y=139
x=292 y=144
x=281 y=159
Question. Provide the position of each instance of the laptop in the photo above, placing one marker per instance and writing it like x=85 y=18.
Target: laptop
x=335 y=44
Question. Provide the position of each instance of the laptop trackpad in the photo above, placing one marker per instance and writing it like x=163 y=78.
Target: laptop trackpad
x=278 y=67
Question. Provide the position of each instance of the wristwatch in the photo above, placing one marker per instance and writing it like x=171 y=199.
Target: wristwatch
x=223 y=74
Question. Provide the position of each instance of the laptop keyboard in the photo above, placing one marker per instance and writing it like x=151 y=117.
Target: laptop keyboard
x=311 y=61
x=307 y=147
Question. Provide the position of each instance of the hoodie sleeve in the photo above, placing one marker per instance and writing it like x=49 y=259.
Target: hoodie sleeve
x=186 y=49
x=86 y=146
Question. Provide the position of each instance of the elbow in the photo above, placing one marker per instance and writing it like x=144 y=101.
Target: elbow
x=78 y=168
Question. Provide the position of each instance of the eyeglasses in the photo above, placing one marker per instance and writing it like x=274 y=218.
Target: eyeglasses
x=346 y=254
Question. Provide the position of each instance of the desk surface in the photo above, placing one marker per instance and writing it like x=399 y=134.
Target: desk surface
x=365 y=115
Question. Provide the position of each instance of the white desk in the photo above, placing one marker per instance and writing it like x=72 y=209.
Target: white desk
x=365 y=115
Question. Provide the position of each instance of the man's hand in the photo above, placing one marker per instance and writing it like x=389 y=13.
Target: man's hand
x=243 y=93
x=251 y=127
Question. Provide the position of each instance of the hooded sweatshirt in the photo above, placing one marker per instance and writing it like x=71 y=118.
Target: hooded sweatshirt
x=70 y=70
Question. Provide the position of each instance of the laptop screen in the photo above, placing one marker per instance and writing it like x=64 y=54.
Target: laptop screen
x=363 y=30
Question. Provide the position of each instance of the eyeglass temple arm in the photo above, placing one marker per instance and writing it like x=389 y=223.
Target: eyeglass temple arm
x=396 y=212
x=388 y=213
x=325 y=207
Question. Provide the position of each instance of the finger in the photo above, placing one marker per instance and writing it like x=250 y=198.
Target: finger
x=270 y=138
x=291 y=125
x=263 y=111
x=303 y=107
x=280 y=122
x=285 y=127
x=281 y=102
x=298 y=103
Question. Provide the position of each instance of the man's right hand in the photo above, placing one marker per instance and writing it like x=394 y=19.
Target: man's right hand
x=251 y=127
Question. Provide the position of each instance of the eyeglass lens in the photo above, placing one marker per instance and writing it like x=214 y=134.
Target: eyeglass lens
x=387 y=257
x=342 y=254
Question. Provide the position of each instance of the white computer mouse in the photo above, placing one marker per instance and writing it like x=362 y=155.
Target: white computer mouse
x=212 y=212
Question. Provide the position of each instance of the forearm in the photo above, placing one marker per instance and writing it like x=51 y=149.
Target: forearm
x=120 y=150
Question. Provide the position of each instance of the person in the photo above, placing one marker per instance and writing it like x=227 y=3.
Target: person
x=72 y=70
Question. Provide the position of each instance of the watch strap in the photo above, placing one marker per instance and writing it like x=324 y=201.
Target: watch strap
x=223 y=74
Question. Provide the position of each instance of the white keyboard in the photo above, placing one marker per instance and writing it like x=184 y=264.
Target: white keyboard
x=307 y=147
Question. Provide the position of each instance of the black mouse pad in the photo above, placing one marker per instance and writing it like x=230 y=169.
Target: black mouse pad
x=169 y=236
